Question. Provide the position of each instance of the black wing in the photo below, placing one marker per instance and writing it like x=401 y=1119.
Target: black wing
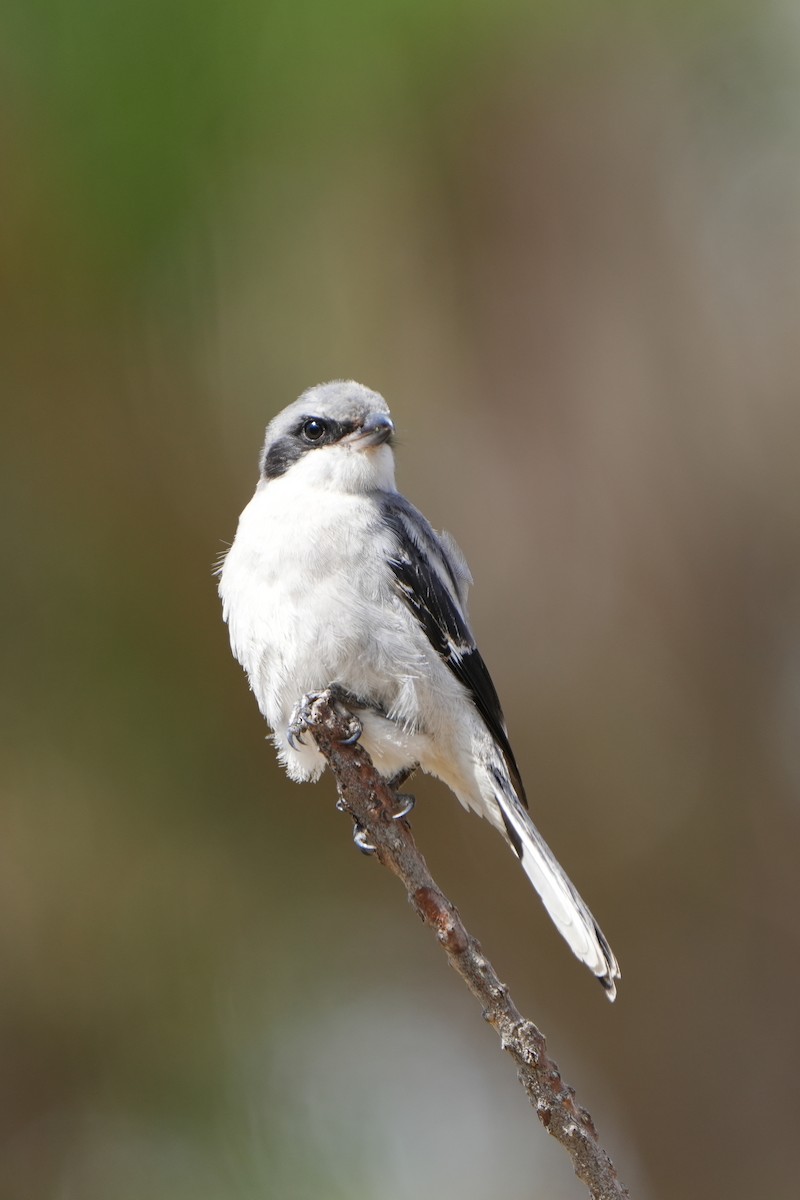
x=429 y=579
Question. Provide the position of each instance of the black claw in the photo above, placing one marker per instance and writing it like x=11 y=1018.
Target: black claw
x=404 y=807
x=361 y=839
x=298 y=724
x=293 y=736
x=340 y=805
x=351 y=741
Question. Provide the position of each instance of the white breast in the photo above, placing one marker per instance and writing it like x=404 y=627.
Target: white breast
x=310 y=601
x=307 y=602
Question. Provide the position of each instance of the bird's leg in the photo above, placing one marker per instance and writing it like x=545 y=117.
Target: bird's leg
x=348 y=701
x=404 y=806
x=299 y=722
x=395 y=782
x=406 y=800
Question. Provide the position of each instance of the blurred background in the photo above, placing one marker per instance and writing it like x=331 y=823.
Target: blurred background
x=564 y=241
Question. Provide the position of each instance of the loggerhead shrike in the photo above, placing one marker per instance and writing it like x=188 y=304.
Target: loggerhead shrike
x=335 y=578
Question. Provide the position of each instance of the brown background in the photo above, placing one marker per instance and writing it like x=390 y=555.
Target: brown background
x=563 y=240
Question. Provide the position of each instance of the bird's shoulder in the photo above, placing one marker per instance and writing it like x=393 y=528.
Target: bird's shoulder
x=417 y=544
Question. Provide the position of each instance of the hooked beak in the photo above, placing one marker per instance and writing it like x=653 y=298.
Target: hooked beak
x=377 y=429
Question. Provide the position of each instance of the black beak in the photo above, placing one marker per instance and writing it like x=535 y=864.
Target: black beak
x=377 y=429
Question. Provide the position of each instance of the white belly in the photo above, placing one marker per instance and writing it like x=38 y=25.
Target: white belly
x=305 y=610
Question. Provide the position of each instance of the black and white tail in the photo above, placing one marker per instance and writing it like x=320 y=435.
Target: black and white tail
x=569 y=913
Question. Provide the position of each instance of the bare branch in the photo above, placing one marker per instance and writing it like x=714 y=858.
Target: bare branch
x=371 y=803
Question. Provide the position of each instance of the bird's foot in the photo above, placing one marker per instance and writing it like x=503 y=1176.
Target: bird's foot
x=362 y=840
x=404 y=806
x=405 y=800
x=347 y=700
x=300 y=718
x=339 y=694
x=357 y=730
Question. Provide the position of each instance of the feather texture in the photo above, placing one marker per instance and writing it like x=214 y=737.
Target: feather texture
x=334 y=577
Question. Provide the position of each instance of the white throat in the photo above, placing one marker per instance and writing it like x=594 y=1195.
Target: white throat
x=345 y=467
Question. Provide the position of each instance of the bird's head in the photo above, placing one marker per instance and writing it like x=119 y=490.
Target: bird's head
x=337 y=435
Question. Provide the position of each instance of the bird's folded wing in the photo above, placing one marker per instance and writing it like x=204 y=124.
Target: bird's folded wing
x=433 y=580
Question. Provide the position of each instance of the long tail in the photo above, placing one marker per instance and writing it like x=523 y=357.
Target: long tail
x=570 y=914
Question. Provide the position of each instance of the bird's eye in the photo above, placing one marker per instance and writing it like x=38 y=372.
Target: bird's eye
x=313 y=429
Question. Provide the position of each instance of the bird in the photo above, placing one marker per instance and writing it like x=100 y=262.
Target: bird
x=335 y=578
